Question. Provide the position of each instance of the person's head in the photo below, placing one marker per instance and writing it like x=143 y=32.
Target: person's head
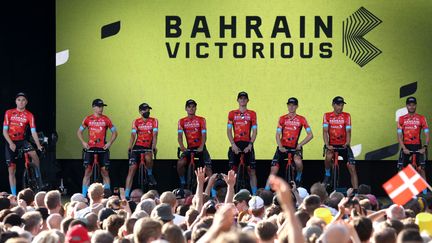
x=266 y=231
x=39 y=199
x=146 y=205
x=104 y=214
x=409 y=235
x=113 y=224
x=147 y=230
x=241 y=200
x=49 y=236
x=64 y=226
x=191 y=215
x=395 y=212
x=292 y=105
x=27 y=195
x=96 y=192
x=162 y=212
x=54 y=221
x=144 y=110
x=11 y=220
x=364 y=228
x=303 y=217
x=130 y=223
x=411 y=104
x=91 y=221
x=256 y=206
x=77 y=234
x=102 y=236
x=190 y=107
x=385 y=235
x=32 y=222
x=169 y=198
x=364 y=189
x=173 y=233
x=98 y=106
x=338 y=104
x=53 y=200
x=243 y=99
x=336 y=233
x=395 y=224
x=78 y=197
x=235 y=236
x=311 y=203
x=319 y=190
x=21 y=100
x=136 y=195
x=267 y=197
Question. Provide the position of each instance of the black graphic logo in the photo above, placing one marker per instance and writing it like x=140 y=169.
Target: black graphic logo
x=354 y=45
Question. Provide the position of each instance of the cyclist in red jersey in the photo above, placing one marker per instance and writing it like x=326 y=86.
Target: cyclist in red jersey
x=97 y=124
x=15 y=124
x=143 y=136
x=243 y=123
x=337 y=133
x=194 y=128
x=287 y=137
x=409 y=136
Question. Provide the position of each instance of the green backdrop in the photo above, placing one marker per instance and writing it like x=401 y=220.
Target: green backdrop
x=133 y=66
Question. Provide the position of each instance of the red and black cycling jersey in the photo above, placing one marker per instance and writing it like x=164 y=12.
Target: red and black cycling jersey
x=193 y=128
x=97 y=126
x=337 y=124
x=410 y=126
x=291 y=127
x=242 y=123
x=145 y=128
x=16 y=122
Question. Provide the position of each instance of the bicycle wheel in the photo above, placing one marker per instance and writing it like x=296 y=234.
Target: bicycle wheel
x=191 y=179
x=142 y=177
x=335 y=177
x=95 y=174
x=241 y=178
x=30 y=180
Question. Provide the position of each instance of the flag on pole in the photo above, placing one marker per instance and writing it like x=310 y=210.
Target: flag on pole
x=405 y=185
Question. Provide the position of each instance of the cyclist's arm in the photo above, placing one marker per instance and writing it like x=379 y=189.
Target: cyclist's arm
x=254 y=134
x=180 y=139
x=348 y=136
x=278 y=137
x=132 y=139
x=36 y=138
x=427 y=136
x=154 y=141
x=400 y=139
x=203 y=138
x=229 y=134
x=308 y=137
x=80 y=134
x=114 y=135
x=6 y=135
x=326 y=134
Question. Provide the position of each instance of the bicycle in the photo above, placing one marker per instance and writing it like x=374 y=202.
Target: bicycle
x=413 y=156
x=95 y=166
x=31 y=179
x=241 y=181
x=142 y=168
x=335 y=166
x=290 y=168
x=191 y=181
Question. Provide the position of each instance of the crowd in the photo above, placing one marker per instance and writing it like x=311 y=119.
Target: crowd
x=284 y=214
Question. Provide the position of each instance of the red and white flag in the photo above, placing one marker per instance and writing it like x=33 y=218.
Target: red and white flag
x=405 y=185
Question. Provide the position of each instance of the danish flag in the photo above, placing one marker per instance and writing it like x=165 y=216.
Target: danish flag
x=405 y=185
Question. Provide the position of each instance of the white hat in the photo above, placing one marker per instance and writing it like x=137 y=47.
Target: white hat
x=303 y=193
x=256 y=203
x=78 y=197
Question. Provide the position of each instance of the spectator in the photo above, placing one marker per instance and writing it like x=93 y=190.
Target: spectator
x=54 y=221
x=53 y=202
x=266 y=232
x=147 y=230
x=102 y=236
x=32 y=222
x=163 y=212
x=170 y=199
x=173 y=233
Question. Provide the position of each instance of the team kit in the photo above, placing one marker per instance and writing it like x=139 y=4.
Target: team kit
x=241 y=133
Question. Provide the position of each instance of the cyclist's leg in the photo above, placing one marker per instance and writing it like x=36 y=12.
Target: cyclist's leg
x=104 y=167
x=233 y=159
x=274 y=166
x=149 y=167
x=351 y=164
x=88 y=159
x=327 y=164
x=34 y=158
x=299 y=167
x=10 y=162
x=250 y=161
x=207 y=162
x=401 y=160
x=131 y=173
x=181 y=164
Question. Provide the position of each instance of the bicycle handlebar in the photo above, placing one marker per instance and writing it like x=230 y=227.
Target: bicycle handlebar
x=142 y=150
x=94 y=151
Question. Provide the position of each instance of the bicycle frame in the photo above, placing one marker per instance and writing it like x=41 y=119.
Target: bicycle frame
x=95 y=166
x=289 y=167
x=142 y=172
x=336 y=166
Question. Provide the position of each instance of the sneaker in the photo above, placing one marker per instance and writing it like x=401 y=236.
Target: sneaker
x=152 y=181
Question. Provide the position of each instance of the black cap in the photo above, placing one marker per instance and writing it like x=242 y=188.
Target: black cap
x=21 y=94
x=293 y=101
x=242 y=94
x=179 y=193
x=98 y=102
x=410 y=100
x=190 y=102
x=338 y=100
x=144 y=106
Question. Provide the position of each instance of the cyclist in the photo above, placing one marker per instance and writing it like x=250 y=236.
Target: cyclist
x=409 y=136
x=287 y=137
x=15 y=125
x=337 y=134
x=143 y=136
x=243 y=123
x=97 y=124
x=194 y=128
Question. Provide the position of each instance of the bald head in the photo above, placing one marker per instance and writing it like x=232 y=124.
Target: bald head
x=168 y=198
x=336 y=234
x=54 y=221
x=39 y=199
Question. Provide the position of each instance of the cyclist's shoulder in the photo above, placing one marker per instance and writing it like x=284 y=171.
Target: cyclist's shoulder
x=251 y=112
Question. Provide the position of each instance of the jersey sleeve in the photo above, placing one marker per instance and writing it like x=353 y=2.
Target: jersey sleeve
x=400 y=125
x=32 y=122
x=254 y=120
x=134 y=127
x=279 y=125
x=180 y=126
x=230 y=119
x=424 y=125
x=348 y=121
x=110 y=125
x=306 y=125
x=155 y=125
x=325 y=121
x=6 y=121
x=84 y=124
x=203 y=125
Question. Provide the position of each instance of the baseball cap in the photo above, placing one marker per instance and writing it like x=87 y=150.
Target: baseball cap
x=13 y=219
x=338 y=100
x=162 y=212
x=242 y=195
x=293 y=101
x=179 y=193
x=98 y=102
x=78 y=197
x=243 y=93
x=77 y=234
x=256 y=202
x=21 y=94
x=410 y=100
x=219 y=183
x=105 y=213
x=144 y=106
x=303 y=193
x=190 y=102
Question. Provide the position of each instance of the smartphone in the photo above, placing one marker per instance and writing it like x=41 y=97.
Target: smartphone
x=122 y=193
